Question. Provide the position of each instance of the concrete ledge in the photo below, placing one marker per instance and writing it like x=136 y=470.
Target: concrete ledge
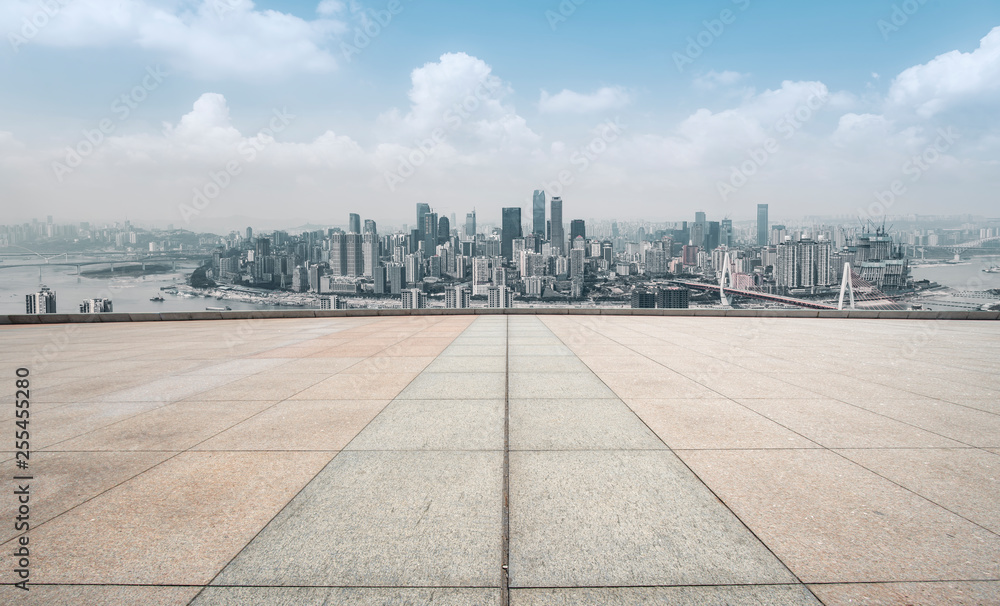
x=143 y=317
x=24 y=319
x=54 y=318
x=181 y=316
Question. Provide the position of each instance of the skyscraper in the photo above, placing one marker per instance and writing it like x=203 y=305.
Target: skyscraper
x=470 y=224
x=538 y=213
x=557 y=235
x=370 y=252
x=443 y=230
x=762 y=225
x=577 y=229
x=338 y=254
x=511 y=230
x=430 y=231
x=355 y=256
x=726 y=234
x=422 y=210
x=355 y=224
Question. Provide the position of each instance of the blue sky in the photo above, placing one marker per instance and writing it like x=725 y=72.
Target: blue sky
x=874 y=97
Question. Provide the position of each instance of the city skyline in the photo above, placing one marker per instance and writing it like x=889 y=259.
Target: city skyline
x=692 y=109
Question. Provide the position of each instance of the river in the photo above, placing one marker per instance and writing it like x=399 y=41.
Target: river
x=127 y=293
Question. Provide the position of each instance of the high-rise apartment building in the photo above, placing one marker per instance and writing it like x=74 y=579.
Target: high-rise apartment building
x=42 y=302
x=576 y=263
x=457 y=297
x=672 y=297
x=414 y=298
x=500 y=297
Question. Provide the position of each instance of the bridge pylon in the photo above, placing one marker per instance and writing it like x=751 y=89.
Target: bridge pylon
x=727 y=270
x=846 y=285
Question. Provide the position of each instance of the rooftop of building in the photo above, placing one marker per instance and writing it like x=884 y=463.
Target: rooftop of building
x=643 y=459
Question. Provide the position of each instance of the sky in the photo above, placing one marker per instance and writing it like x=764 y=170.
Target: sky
x=218 y=112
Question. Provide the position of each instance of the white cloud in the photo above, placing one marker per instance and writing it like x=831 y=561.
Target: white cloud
x=460 y=95
x=950 y=79
x=714 y=79
x=572 y=102
x=208 y=39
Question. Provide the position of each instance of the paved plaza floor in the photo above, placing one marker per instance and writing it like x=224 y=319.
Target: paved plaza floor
x=529 y=460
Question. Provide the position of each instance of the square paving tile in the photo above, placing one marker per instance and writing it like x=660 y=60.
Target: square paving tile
x=965 y=481
x=785 y=595
x=714 y=424
x=577 y=424
x=299 y=425
x=435 y=425
x=960 y=423
x=624 y=518
x=456 y=386
x=385 y=519
x=558 y=385
x=361 y=596
x=658 y=385
x=838 y=425
x=197 y=511
x=357 y=387
x=63 y=480
x=831 y=521
x=103 y=595
x=174 y=427
x=941 y=593
x=473 y=364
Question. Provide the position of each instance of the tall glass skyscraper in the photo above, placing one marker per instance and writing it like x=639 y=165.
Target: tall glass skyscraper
x=538 y=213
x=511 y=230
x=355 y=226
x=762 y=225
x=470 y=224
x=422 y=210
x=558 y=236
